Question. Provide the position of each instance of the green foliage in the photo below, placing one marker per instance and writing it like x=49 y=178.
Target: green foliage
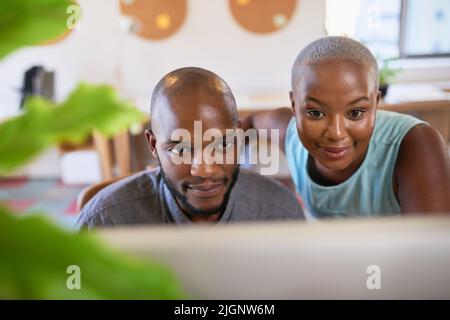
x=34 y=256
x=30 y=22
x=44 y=124
x=387 y=73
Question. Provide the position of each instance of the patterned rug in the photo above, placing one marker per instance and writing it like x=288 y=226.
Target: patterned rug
x=47 y=196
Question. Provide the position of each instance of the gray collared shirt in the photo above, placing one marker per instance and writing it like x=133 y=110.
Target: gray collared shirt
x=145 y=199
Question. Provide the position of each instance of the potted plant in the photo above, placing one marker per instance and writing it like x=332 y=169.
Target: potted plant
x=386 y=75
x=39 y=260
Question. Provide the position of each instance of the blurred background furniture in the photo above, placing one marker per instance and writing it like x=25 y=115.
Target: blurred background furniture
x=428 y=101
x=90 y=191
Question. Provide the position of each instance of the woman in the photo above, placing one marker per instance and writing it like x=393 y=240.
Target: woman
x=345 y=157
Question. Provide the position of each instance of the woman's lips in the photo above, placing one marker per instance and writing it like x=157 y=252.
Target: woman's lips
x=206 y=190
x=335 y=153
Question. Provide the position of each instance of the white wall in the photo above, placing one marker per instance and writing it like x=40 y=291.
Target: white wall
x=426 y=70
x=209 y=38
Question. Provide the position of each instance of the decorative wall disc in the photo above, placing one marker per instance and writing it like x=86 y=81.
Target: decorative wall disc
x=262 y=16
x=155 y=19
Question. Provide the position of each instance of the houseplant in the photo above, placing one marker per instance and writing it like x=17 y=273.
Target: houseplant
x=35 y=254
x=386 y=75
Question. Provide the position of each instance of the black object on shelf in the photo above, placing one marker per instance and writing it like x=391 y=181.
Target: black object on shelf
x=37 y=82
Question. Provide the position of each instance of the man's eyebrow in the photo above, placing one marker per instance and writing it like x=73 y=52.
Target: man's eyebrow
x=224 y=136
x=170 y=141
x=358 y=100
x=230 y=134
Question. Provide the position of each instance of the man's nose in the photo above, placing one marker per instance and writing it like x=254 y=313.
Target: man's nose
x=203 y=166
x=336 y=128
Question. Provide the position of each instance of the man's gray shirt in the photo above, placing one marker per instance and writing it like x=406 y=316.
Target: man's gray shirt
x=145 y=199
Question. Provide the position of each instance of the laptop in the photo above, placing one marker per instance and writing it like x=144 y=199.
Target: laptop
x=384 y=258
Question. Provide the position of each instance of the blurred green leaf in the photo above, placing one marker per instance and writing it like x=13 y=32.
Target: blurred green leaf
x=30 y=22
x=44 y=124
x=35 y=254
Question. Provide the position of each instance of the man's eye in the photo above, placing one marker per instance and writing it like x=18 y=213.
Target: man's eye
x=316 y=114
x=179 y=151
x=356 y=114
x=225 y=145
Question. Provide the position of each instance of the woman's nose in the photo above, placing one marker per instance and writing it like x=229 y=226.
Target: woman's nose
x=336 y=128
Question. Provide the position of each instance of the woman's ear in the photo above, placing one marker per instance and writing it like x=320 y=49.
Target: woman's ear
x=151 y=140
x=291 y=97
x=378 y=96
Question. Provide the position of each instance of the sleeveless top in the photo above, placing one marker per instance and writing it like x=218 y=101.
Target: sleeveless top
x=369 y=191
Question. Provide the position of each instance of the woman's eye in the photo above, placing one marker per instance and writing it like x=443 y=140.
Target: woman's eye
x=179 y=151
x=316 y=114
x=356 y=114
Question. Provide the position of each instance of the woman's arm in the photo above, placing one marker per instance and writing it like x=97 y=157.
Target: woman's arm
x=423 y=172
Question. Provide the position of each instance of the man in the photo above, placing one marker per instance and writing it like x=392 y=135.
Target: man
x=191 y=185
x=345 y=157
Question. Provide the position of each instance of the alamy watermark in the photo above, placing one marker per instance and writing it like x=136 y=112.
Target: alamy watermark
x=226 y=148
x=73 y=281
x=374 y=280
x=73 y=21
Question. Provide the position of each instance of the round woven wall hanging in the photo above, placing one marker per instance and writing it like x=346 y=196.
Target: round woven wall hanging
x=262 y=16
x=155 y=19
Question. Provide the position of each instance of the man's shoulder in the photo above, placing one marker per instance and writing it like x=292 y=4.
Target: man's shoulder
x=136 y=191
x=143 y=184
x=252 y=184
x=250 y=178
x=263 y=198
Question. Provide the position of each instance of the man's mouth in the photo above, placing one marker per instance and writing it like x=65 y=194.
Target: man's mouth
x=206 y=190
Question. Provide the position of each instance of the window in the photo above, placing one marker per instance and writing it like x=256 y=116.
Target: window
x=426 y=28
x=393 y=28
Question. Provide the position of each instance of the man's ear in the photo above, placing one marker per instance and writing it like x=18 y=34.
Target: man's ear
x=239 y=124
x=291 y=97
x=151 y=140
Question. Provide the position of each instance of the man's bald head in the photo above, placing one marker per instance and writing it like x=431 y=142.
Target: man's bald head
x=187 y=82
x=329 y=49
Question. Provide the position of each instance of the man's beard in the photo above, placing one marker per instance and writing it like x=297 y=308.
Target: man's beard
x=190 y=208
